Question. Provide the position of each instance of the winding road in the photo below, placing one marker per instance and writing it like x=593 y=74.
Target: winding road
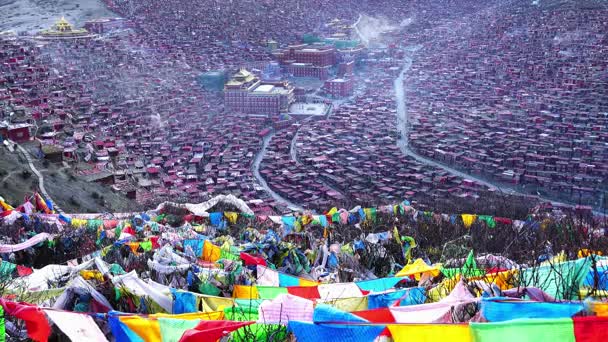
x=363 y=39
x=256 y=173
x=403 y=142
x=402 y=119
x=403 y=126
x=293 y=149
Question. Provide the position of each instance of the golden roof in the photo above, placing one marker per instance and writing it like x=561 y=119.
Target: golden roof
x=63 y=28
x=241 y=77
x=62 y=25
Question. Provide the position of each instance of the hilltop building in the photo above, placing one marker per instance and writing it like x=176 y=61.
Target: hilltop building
x=17 y=132
x=63 y=30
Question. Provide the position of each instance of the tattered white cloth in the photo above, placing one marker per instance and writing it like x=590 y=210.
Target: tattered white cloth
x=78 y=327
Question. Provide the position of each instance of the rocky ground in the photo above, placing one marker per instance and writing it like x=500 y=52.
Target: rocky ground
x=69 y=192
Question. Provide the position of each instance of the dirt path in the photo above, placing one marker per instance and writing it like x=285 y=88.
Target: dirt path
x=38 y=174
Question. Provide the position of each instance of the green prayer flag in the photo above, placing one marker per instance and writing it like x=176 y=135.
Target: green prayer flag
x=525 y=330
x=489 y=220
x=146 y=245
x=468 y=270
x=260 y=332
x=470 y=263
x=7 y=269
x=370 y=214
x=271 y=292
x=335 y=218
x=248 y=303
x=116 y=269
x=208 y=289
x=2 y=328
x=171 y=330
x=238 y=313
x=561 y=280
x=230 y=256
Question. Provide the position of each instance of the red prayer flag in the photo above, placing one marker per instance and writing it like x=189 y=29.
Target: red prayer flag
x=590 y=329
x=308 y=292
x=211 y=331
x=37 y=325
x=380 y=315
x=129 y=230
x=503 y=220
x=154 y=240
x=23 y=271
x=249 y=259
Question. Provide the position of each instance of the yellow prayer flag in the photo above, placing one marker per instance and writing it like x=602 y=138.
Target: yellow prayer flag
x=348 y=304
x=211 y=303
x=211 y=252
x=504 y=280
x=430 y=332
x=419 y=267
x=87 y=275
x=306 y=219
x=245 y=292
x=308 y=283
x=205 y=316
x=147 y=329
x=5 y=206
x=442 y=289
x=134 y=246
x=598 y=308
x=231 y=216
x=78 y=223
x=468 y=220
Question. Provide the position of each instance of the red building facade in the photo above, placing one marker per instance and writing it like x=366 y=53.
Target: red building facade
x=339 y=87
x=307 y=70
x=245 y=93
x=18 y=133
x=316 y=54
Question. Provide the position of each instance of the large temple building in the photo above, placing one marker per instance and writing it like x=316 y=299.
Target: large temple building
x=246 y=93
x=307 y=60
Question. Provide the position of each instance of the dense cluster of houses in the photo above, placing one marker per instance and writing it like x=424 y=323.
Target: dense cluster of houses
x=127 y=109
x=121 y=118
x=518 y=100
x=355 y=151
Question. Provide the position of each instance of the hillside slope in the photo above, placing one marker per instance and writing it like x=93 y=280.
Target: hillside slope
x=34 y=15
x=70 y=193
